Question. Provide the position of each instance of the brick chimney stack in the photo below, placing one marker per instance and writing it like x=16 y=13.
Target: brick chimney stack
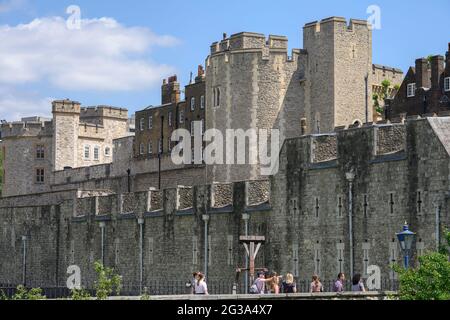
x=422 y=74
x=437 y=68
x=170 y=90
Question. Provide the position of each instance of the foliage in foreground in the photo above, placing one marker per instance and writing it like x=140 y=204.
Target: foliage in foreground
x=108 y=282
x=429 y=281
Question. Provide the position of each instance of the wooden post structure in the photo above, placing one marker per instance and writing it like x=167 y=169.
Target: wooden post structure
x=252 y=245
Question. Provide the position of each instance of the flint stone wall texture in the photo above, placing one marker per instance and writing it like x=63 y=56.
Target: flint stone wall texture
x=305 y=225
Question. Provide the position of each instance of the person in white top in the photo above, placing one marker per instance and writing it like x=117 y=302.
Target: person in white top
x=200 y=285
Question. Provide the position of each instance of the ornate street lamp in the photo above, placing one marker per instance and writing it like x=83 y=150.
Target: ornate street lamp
x=406 y=239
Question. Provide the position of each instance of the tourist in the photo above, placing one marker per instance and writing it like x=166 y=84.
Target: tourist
x=200 y=286
x=339 y=284
x=358 y=284
x=288 y=285
x=316 y=285
x=274 y=283
x=258 y=286
x=193 y=281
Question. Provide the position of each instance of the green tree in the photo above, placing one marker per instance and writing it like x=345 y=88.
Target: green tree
x=429 y=281
x=385 y=85
x=108 y=282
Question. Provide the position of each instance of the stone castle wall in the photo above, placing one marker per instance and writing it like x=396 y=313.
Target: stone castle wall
x=401 y=174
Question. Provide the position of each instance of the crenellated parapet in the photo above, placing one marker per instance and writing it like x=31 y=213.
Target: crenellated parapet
x=26 y=129
x=103 y=112
x=181 y=199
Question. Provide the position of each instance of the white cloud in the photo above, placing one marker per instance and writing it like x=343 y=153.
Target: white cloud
x=15 y=104
x=102 y=55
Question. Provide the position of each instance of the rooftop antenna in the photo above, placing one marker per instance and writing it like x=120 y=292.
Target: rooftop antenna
x=190 y=81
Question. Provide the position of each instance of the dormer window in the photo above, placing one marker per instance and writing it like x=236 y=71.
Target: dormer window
x=447 y=84
x=411 y=90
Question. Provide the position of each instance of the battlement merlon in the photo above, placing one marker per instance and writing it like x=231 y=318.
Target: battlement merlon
x=339 y=22
x=66 y=106
x=250 y=41
x=104 y=112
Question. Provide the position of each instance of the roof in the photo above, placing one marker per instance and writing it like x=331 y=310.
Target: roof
x=441 y=126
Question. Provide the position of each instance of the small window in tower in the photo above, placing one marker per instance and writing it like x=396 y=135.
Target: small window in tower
x=218 y=97
x=411 y=90
x=107 y=152
x=40 y=176
x=447 y=84
x=40 y=152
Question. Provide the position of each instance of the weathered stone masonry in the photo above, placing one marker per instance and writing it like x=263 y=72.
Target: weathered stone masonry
x=401 y=174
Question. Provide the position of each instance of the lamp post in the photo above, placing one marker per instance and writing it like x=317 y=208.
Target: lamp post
x=350 y=176
x=406 y=239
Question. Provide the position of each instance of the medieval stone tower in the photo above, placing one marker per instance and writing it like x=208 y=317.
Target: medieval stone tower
x=339 y=60
x=66 y=122
x=253 y=83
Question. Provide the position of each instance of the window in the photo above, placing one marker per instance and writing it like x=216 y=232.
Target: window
x=202 y=102
x=141 y=124
x=181 y=116
x=447 y=84
x=107 y=152
x=96 y=153
x=192 y=104
x=87 y=152
x=150 y=122
x=217 y=97
x=411 y=90
x=170 y=119
x=40 y=175
x=141 y=148
x=40 y=152
x=150 y=148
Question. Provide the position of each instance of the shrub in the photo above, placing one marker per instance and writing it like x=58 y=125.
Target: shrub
x=108 y=282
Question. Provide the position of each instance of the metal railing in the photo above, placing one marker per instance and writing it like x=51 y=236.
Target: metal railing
x=176 y=287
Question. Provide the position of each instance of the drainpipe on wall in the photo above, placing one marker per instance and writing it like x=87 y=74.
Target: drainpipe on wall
x=24 y=261
x=206 y=220
x=102 y=228
x=141 y=253
x=350 y=178
x=246 y=218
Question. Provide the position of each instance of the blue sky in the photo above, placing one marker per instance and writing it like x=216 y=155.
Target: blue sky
x=153 y=39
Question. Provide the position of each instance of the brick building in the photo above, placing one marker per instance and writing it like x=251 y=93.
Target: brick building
x=425 y=89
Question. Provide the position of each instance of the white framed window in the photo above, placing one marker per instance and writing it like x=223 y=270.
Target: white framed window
x=150 y=122
x=141 y=148
x=107 y=152
x=202 y=102
x=447 y=84
x=87 y=152
x=170 y=118
x=192 y=103
x=141 y=124
x=181 y=116
x=150 y=148
x=411 y=90
x=96 y=153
